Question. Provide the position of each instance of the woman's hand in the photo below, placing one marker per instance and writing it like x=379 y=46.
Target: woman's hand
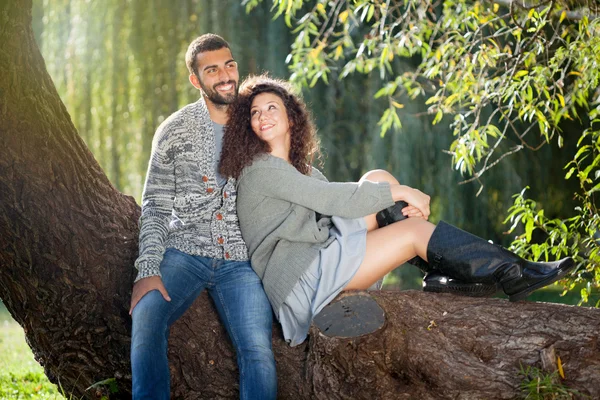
x=417 y=200
x=412 y=212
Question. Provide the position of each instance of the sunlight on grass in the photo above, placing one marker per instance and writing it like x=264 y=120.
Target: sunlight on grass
x=21 y=377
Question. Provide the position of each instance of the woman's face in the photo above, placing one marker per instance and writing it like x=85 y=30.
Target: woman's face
x=268 y=118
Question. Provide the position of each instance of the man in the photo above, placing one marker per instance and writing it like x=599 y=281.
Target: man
x=190 y=238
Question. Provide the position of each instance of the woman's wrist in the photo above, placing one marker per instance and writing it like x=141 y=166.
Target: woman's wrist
x=399 y=192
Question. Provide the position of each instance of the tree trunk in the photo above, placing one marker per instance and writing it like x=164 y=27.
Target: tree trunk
x=68 y=241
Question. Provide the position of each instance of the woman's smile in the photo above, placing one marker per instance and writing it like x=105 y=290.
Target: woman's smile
x=265 y=127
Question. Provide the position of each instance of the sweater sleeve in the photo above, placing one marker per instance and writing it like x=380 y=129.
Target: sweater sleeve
x=157 y=205
x=348 y=200
x=315 y=173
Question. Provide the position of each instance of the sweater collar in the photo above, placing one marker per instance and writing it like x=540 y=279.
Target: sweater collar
x=198 y=117
x=198 y=123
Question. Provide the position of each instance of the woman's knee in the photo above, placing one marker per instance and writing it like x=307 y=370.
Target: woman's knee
x=379 y=175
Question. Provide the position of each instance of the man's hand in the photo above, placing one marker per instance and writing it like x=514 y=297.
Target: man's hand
x=143 y=286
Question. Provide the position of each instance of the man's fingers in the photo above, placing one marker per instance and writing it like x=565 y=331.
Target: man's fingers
x=143 y=286
x=134 y=300
x=164 y=293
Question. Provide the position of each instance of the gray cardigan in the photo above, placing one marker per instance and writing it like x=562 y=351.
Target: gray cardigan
x=183 y=206
x=284 y=218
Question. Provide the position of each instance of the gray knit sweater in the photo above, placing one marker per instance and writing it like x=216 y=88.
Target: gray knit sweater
x=284 y=218
x=183 y=206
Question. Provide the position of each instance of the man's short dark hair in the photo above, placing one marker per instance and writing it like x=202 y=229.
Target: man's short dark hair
x=206 y=42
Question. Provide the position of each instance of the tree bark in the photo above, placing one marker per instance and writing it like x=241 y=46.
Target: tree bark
x=68 y=241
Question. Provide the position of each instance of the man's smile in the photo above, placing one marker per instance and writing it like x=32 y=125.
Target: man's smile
x=226 y=87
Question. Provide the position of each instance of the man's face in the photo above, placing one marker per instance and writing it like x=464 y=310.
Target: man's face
x=218 y=76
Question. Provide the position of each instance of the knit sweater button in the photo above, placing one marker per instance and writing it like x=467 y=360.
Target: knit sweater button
x=209 y=190
x=219 y=216
x=225 y=195
x=227 y=255
x=205 y=178
x=220 y=240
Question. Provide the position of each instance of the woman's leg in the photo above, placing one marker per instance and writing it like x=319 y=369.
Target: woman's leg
x=472 y=260
x=467 y=257
x=377 y=175
x=434 y=281
x=389 y=247
x=457 y=254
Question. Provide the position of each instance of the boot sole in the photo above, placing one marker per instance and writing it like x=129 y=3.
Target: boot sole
x=462 y=289
x=548 y=281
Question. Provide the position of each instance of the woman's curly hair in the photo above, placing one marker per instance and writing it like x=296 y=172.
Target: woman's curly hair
x=240 y=143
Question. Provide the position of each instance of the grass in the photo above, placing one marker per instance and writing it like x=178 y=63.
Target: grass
x=21 y=377
x=538 y=385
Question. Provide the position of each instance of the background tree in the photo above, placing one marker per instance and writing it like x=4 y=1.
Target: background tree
x=505 y=76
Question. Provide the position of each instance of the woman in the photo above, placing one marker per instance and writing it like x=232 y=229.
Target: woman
x=309 y=239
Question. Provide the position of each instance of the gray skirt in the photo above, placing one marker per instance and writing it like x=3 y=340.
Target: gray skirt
x=326 y=277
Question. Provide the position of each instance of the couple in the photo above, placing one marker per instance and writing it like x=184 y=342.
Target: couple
x=308 y=239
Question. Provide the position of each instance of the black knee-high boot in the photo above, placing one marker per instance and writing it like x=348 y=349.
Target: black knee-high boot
x=468 y=258
x=435 y=281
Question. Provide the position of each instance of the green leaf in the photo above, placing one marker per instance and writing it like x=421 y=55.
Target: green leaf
x=438 y=117
x=593 y=190
x=111 y=383
x=521 y=73
x=384 y=55
x=529 y=229
x=563 y=15
x=582 y=150
x=432 y=99
x=364 y=14
x=568 y=175
x=396 y=120
x=371 y=12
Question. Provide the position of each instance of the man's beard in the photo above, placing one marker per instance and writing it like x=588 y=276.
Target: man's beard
x=217 y=98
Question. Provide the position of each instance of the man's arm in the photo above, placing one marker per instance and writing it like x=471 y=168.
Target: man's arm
x=157 y=205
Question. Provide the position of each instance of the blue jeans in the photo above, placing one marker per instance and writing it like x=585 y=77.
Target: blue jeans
x=242 y=306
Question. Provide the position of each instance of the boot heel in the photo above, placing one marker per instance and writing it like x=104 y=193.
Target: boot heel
x=438 y=283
